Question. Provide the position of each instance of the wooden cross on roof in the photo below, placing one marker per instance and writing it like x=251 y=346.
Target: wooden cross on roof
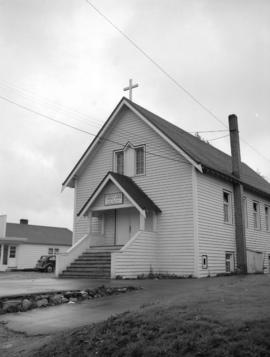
x=130 y=87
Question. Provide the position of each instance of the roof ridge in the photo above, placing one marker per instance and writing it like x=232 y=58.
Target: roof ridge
x=37 y=225
x=184 y=132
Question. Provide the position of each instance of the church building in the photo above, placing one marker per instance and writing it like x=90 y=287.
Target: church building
x=152 y=198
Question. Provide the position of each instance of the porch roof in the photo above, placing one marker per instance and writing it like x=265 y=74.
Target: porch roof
x=129 y=188
x=12 y=240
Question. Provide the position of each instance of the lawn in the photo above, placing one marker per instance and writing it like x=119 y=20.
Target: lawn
x=232 y=318
x=167 y=332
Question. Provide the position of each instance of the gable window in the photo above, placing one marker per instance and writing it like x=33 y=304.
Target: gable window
x=130 y=161
x=119 y=162
x=256 y=215
x=267 y=223
x=140 y=160
x=227 y=207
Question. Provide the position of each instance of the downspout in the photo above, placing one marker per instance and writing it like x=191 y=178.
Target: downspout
x=240 y=236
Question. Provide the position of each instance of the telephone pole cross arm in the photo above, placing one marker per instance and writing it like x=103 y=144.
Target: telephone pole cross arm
x=130 y=88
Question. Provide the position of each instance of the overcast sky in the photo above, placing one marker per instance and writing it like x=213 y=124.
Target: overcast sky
x=63 y=59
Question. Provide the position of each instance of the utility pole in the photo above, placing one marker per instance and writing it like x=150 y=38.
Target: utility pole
x=240 y=234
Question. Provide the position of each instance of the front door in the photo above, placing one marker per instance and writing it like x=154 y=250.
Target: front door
x=5 y=254
x=127 y=224
x=12 y=261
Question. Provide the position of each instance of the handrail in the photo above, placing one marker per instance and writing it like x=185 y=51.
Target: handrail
x=136 y=235
x=65 y=259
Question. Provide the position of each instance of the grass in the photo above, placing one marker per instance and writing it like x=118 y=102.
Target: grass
x=168 y=332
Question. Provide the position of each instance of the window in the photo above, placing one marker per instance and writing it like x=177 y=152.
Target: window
x=245 y=211
x=53 y=251
x=266 y=211
x=140 y=160
x=130 y=161
x=204 y=261
x=229 y=262
x=256 y=215
x=12 y=252
x=119 y=161
x=227 y=206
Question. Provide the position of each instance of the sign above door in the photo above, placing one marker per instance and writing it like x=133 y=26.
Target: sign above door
x=115 y=198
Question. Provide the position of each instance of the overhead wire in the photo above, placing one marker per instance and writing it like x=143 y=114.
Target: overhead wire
x=102 y=138
x=62 y=109
x=166 y=73
x=84 y=131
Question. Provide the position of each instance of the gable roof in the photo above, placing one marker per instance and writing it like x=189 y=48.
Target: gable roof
x=39 y=234
x=129 y=188
x=195 y=150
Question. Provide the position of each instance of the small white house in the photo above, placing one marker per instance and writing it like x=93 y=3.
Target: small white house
x=155 y=198
x=22 y=244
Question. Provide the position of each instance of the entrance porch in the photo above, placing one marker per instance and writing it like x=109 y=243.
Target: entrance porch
x=121 y=217
x=8 y=252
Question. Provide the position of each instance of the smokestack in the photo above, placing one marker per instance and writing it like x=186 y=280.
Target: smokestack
x=23 y=221
x=235 y=146
x=240 y=234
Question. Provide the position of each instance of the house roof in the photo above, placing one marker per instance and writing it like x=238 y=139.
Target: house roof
x=210 y=158
x=39 y=234
x=130 y=188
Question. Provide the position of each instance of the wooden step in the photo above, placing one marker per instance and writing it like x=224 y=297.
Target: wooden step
x=89 y=265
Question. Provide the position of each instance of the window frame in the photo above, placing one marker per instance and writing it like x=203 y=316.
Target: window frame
x=50 y=249
x=267 y=218
x=204 y=261
x=12 y=251
x=245 y=210
x=144 y=160
x=229 y=205
x=133 y=171
x=116 y=163
x=258 y=219
x=229 y=261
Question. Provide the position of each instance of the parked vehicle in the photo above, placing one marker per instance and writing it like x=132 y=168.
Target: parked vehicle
x=46 y=263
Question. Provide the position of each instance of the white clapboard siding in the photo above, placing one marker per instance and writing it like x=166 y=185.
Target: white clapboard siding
x=140 y=257
x=257 y=239
x=27 y=255
x=215 y=236
x=167 y=182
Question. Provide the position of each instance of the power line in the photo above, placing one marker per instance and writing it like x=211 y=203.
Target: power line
x=220 y=137
x=64 y=110
x=167 y=74
x=156 y=64
x=84 y=131
x=44 y=115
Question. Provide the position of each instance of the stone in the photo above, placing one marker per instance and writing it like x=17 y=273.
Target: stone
x=73 y=299
x=64 y=300
x=26 y=304
x=56 y=299
x=11 y=305
x=42 y=303
x=84 y=294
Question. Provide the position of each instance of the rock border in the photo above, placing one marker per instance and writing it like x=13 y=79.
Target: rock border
x=41 y=300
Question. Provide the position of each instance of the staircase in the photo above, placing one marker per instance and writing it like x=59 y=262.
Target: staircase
x=94 y=263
